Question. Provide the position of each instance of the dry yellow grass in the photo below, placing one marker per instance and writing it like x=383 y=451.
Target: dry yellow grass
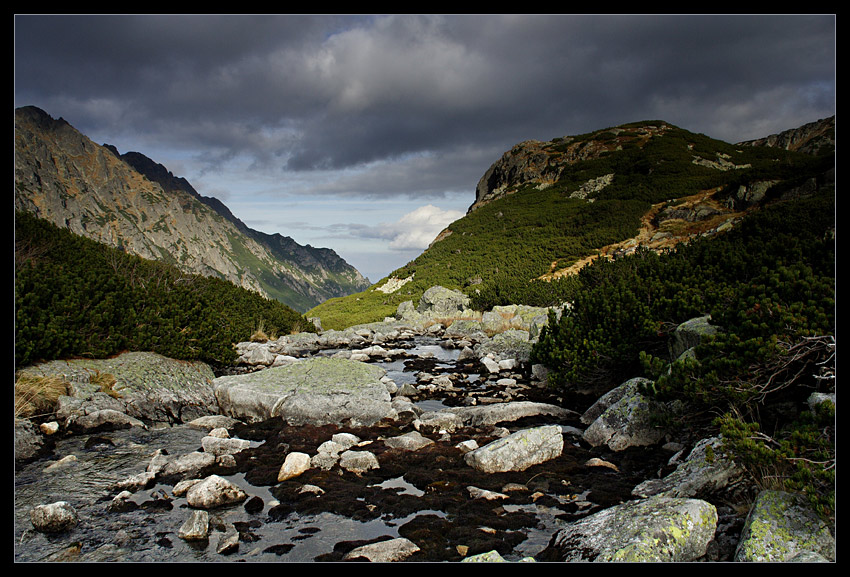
x=36 y=395
x=105 y=381
x=259 y=335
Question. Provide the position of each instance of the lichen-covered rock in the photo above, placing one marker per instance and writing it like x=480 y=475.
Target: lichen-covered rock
x=148 y=387
x=518 y=451
x=440 y=302
x=488 y=557
x=510 y=344
x=316 y=391
x=358 y=461
x=431 y=422
x=689 y=334
x=467 y=328
x=628 y=422
x=782 y=525
x=196 y=527
x=483 y=415
x=707 y=468
x=388 y=551
x=412 y=441
x=630 y=387
x=648 y=530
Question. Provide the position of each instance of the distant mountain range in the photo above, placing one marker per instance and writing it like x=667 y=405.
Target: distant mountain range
x=131 y=202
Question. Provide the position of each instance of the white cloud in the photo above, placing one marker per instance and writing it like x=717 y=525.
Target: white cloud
x=417 y=229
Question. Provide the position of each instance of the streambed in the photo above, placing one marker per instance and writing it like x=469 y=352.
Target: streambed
x=422 y=495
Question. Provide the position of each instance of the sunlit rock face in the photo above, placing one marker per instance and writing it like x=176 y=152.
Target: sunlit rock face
x=130 y=202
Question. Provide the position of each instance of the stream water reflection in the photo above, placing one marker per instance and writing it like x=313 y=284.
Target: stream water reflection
x=149 y=533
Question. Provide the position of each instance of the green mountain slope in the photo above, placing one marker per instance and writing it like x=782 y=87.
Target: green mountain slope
x=546 y=207
x=78 y=297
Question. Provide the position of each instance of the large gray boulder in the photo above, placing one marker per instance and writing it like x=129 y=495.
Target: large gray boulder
x=649 y=530
x=510 y=344
x=440 y=302
x=781 y=526
x=625 y=419
x=690 y=334
x=315 y=391
x=707 y=469
x=522 y=317
x=469 y=329
x=518 y=451
x=482 y=415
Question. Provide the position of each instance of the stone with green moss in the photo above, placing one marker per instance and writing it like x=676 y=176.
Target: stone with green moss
x=781 y=526
x=144 y=385
x=706 y=469
x=488 y=557
x=690 y=334
x=648 y=530
x=629 y=421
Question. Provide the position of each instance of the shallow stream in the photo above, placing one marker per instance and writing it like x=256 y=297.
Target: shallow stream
x=301 y=534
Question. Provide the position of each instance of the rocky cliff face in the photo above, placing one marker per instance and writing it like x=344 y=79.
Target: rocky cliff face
x=812 y=138
x=130 y=202
x=543 y=163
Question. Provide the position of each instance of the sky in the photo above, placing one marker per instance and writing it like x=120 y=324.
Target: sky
x=368 y=134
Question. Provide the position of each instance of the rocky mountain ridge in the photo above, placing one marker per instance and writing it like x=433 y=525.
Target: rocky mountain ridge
x=545 y=162
x=667 y=223
x=811 y=138
x=131 y=202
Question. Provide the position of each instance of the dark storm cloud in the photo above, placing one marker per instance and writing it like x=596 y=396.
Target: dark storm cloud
x=316 y=92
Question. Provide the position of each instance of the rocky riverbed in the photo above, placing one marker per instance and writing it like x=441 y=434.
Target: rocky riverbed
x=399 y=441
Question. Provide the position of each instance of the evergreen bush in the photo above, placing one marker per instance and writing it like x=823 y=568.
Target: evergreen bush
x=78 y=297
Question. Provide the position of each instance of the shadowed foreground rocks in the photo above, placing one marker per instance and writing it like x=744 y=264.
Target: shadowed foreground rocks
x=472 y=459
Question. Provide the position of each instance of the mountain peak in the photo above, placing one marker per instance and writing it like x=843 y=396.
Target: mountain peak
x=134 y=203
x=544 y=163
